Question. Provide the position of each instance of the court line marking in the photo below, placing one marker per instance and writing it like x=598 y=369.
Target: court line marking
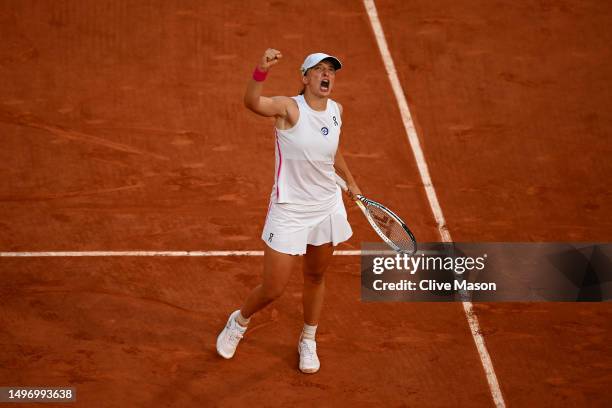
x=432 y=197
x=42 y=254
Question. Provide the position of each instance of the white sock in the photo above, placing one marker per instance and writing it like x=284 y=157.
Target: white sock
x=308 y=332
x=241 y=320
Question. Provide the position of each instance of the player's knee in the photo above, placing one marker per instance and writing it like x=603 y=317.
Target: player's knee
x=272 y=292
x=314 y=277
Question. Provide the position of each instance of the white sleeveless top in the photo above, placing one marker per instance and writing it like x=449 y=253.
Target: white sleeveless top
x=305 y=153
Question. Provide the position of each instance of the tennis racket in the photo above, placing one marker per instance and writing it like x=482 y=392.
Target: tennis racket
x=385 y=222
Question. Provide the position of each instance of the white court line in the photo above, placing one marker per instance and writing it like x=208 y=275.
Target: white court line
x=41 y=254
x=413 y=139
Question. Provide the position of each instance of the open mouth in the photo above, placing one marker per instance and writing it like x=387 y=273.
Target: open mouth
x=325 y=85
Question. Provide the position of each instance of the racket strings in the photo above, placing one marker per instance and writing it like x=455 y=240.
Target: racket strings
x=392 y=229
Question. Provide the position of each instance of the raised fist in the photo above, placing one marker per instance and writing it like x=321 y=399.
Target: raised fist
x=270 y=57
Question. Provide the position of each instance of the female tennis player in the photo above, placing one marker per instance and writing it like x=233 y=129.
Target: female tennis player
x=306 y=215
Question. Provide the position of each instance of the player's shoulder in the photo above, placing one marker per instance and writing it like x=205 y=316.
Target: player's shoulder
x=286 y=101
x=282 y=99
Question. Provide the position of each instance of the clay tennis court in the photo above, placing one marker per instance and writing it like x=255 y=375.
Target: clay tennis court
x=123 y=129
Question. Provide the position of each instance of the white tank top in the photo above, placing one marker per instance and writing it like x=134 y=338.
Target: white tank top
x=305 y=154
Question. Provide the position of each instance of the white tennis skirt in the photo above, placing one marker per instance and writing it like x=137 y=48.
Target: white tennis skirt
x=289 y=228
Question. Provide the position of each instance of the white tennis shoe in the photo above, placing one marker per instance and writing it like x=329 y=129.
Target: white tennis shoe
x=230 y=336
x=309 y=361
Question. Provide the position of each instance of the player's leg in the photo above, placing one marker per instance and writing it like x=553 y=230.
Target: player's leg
x=316 y=261
x=277 y=270
x=315 y=264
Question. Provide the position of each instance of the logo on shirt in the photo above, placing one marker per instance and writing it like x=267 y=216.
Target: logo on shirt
x=324 y=130
x=335 y=121
x=270 y=237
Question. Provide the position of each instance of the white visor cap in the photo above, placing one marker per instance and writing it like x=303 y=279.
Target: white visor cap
x=314 y=59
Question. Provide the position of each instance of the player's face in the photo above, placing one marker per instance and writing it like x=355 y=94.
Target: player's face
x=320 y=79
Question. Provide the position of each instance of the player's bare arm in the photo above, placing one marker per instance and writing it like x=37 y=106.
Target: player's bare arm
x=277 y=106
x=344 y=172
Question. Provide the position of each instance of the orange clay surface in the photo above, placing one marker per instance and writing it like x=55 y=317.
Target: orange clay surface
x=122 y=128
